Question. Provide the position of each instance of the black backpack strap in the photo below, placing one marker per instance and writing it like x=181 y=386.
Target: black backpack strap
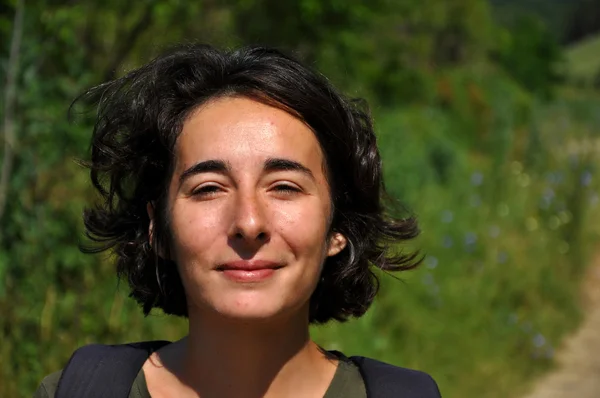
x=383 y=380
x=106 y=371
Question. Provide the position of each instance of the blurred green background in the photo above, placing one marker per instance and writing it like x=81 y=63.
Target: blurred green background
x=489 y=122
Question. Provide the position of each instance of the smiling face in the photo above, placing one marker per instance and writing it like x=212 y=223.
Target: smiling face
x=249 y=209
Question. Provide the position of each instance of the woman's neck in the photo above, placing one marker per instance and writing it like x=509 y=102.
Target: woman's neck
x=230 y=358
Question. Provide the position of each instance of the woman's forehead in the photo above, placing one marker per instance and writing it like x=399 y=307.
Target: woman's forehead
x=240 y=130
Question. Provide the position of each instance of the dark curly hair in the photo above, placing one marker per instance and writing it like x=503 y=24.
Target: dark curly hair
x=139 y=118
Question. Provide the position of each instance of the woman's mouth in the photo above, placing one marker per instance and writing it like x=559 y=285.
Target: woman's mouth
x=249 y=270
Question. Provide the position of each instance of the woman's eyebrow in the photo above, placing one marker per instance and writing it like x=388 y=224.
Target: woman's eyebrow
x=278 y=164
x=220 y=166
x=207 y=166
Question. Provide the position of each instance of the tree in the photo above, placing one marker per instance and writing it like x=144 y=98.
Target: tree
x=531 y=55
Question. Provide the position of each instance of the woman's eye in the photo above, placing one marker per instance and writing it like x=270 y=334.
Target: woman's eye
x=284 y=188
x=206 y=190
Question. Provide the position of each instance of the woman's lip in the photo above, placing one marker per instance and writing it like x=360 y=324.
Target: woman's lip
x=249 y=270
x=255 y=275
x=249 y=265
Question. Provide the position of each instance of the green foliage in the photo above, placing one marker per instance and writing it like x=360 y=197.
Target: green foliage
x=556 y=14
x=395 y=46
x=504 y=195
x=505 y=244
x=531 y=55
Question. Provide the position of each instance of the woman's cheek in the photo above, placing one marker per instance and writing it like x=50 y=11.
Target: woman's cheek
x=195 y=226
x=303 y=227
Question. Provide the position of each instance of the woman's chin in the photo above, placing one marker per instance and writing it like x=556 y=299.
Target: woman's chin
x=254 y=307
x=248 y=311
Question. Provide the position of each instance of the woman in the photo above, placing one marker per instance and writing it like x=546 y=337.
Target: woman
x=242 y=191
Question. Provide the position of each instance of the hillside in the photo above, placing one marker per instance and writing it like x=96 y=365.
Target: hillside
x=583 y=59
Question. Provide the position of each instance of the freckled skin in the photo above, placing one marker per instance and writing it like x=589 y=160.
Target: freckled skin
x=248 y=212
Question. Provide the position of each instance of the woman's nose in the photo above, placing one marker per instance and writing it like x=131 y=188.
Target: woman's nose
x=250 y=223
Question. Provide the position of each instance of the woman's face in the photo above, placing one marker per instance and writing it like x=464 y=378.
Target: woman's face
x=249 y=211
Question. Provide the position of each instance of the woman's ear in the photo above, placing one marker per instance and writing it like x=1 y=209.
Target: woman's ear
x=150 y=211
x=159 y=250
x=337 y=243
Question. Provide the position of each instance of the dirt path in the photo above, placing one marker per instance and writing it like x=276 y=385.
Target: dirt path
x=578 y=372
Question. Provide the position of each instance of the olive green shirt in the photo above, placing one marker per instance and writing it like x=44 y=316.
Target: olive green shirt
x=346 y=383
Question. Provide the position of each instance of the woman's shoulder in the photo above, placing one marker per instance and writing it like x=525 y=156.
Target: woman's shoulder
x=47 y=388
x=389 y=379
